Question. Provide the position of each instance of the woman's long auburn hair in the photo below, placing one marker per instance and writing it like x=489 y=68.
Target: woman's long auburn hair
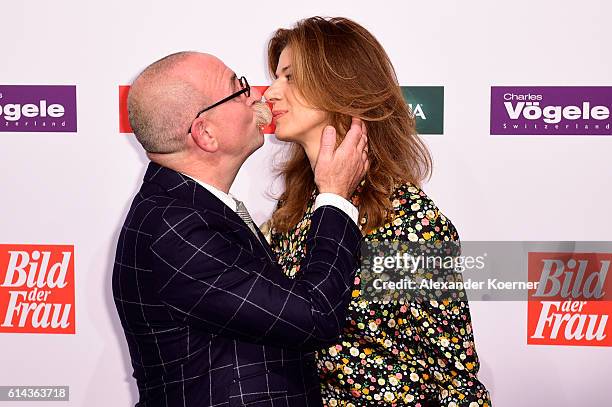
x=340 y=68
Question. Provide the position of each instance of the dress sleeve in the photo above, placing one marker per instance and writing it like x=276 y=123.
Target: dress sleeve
x=445 y=330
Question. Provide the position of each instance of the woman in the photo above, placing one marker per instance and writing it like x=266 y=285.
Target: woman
x=411 y=353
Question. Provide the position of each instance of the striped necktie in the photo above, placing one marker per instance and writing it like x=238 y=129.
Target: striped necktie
x=241 y=211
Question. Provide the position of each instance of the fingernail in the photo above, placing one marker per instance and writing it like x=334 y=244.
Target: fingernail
x=329 y=130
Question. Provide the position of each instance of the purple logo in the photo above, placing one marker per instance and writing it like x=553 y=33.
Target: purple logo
x=37 y=108
x=551 y=110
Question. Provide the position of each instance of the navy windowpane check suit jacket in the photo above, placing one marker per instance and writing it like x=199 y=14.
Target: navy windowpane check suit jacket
x=209 y=318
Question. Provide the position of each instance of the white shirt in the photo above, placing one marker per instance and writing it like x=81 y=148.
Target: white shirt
x=325 y=198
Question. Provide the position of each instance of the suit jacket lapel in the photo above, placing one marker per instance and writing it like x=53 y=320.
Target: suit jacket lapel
x=266 y=246
x=186 y=189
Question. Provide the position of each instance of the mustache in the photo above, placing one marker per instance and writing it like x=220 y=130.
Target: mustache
x=263 y=114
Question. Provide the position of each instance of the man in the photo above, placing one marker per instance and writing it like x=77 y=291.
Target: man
x=209 y=318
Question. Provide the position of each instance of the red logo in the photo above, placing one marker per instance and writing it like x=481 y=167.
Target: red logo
x=572 y=300
x=124 y=122
x=37 y=289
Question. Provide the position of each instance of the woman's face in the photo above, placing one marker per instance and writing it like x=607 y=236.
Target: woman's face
x=294 y=119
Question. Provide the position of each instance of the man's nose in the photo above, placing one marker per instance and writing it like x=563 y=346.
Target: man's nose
x=255 y=95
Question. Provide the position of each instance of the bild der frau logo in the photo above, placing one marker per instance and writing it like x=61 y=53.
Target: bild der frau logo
x=37 y=289
x=573 y=299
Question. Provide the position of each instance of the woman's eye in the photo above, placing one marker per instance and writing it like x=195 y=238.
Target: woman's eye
x=289 y=77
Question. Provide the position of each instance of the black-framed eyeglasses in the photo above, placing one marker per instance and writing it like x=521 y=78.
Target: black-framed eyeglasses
x=245 y=88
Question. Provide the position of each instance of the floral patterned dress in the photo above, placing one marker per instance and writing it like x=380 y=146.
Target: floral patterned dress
x=396 y=353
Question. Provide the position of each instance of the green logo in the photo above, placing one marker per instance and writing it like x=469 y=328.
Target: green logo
x=427 y=105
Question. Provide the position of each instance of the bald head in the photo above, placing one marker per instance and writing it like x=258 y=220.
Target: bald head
x=164 y=99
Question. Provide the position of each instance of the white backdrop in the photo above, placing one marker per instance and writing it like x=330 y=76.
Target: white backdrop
x=75 y=188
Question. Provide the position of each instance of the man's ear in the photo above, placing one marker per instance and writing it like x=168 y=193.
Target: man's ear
x=201 y=132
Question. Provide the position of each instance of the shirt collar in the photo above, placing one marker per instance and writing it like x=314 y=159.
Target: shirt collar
x=225 y=198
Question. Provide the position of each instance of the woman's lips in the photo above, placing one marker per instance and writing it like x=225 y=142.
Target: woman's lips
x=277 y=113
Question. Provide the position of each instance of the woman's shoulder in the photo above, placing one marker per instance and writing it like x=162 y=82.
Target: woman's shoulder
x=415 y=216
x=409 y=198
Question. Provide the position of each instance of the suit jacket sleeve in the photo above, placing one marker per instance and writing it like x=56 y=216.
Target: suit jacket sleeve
x=210 y=281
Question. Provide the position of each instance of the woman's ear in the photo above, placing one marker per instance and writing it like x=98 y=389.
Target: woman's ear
x=202 y=134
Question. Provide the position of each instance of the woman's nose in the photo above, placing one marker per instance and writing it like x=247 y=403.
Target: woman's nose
x=271 y=94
